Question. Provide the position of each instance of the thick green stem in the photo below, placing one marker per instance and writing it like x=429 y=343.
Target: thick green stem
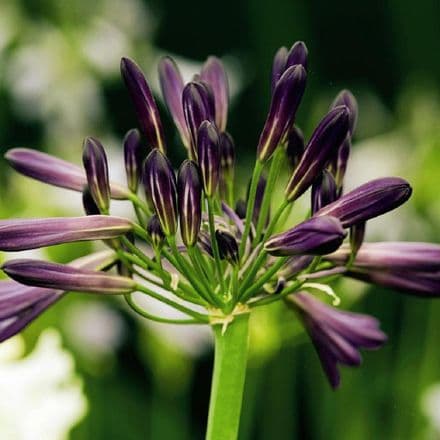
x=231 y=349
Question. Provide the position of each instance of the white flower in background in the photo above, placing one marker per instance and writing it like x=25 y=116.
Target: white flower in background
x=41 y=396
x=430 y=405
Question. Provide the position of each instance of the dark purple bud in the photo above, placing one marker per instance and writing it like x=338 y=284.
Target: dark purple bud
x=324 y=191
x=240 y=208
x=422 y=284
x=337 y=335
x=294 y=265
x=95 y=164
x=155 y=232
x=145 y=106
x=295 y=146
x=171 y=83
x=357 y=235
x=298 y=54
x=389 y=255
x=285 y=101
x=197 y=108
x=52 y=170
x=341 y=161
x=323 y=144
x=209 y=157
x=160 y=182
x=369 y=200
x=189 y=190
x=227 y=154
x=89 y=205
x=278 y=66
x=261 y=188
x=19 y=234
x=227 y=245
x=310 y=237
x=134 y=155
x=345 y=97
x=213 y=73
x=58 y=276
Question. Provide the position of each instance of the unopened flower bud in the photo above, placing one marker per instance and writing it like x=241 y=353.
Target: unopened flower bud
x=95 y=164
x=324 y=191
x=357 y=234
x=295 y=146
x=209 y=157
x=279 y=65
x=345 y=97
x=298 y=54
x=285 y=101
x=89 y=205
x=160 y=183
x=134 y=155
x=227 y=246
x=189 y=190
x=155 y=232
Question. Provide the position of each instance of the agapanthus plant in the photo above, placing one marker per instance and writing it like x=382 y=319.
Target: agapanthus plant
x=211 y=250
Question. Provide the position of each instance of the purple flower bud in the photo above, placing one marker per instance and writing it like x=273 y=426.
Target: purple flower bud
x=295 y=146
x=227 y=245
x=160 y=183
x=189 y=190
x=392 y=255
x=197 y=108
x=145 y=106
x=310 y=237
x=155 y=231
x=59 y=276
x=95 y=164
x=227 y=154
x=213 y=72
x=171 y=83
x=345 y=97
x=357 y=235
x=336 y=335
x=341 y=162
x=278 y=66
x=209 y=157
x=323 y=144
x=134 y=155
x=19 y=234
x=369 y=200
x=285 y=101
x=298 y=54
x=324 y=191
x=52 y=170
x=89 y=205
x=422 y=284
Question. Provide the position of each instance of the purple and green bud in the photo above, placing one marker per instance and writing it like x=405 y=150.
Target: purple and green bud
x=337 y=335
x=96 y=166
x=315 y=236
x=209 y=157
x=171 y=83
x=295 y=146
x=61 y=277
x=134 y=155
x=54 y=171
x=189 y=197
x=155 y=232
x=197 y=108
x=345 y=97
x=145 y=106
x=323 y=145
x=369 y=200
x=19 y=234
x=357 y=235
x=227 y=245
x=213 y=73
x=285 y=101
x=324 y=191
x=160 y=183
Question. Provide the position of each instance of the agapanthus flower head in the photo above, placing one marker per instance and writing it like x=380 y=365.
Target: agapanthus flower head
x=225 y=262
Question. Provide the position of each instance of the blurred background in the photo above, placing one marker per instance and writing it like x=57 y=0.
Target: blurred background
x=89 y=369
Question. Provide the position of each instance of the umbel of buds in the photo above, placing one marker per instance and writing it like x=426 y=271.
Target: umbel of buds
x=190 y=249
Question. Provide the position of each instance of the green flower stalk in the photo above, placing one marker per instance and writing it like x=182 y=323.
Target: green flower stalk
x=190 y=249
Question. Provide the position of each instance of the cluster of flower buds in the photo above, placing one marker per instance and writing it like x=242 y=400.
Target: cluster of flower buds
x=210 y=245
